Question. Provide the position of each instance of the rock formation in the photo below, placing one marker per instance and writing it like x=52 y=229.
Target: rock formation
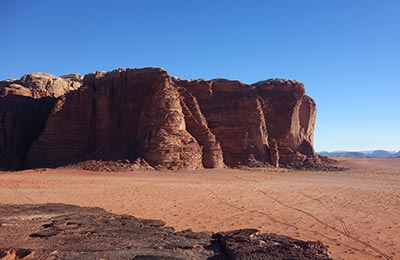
x=169 y=123
x=58 y=231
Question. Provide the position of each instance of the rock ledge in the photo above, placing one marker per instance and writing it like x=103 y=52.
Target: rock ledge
x=166 y=122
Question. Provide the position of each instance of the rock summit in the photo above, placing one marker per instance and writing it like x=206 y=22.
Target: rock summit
x=147 y=115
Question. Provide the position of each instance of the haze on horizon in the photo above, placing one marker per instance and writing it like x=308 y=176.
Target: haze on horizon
x=345 y=52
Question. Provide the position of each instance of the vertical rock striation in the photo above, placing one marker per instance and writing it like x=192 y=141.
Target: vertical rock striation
x=25 y=105
x=235 y=116
x=290 y=119
x=145 y=113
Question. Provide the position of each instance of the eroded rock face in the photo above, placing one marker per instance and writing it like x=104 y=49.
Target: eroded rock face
x=268 y=121
x=25 y=105
x=144 y=113
x=22 y=120
x=290 y=119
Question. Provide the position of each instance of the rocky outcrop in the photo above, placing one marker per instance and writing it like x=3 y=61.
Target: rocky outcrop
x=57 y=231
x=251 y=244
x=235 y=117
x=269 y=122
x=291 y=119
x=145 y=114
x=22 y=120
x=25 y=105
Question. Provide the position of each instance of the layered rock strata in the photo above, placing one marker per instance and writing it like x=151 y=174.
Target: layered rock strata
x=170 y=123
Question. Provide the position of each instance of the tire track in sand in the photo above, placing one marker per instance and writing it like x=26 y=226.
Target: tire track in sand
x=244 y=211
x=345 y=233
x=19 y=195
x=337 y=217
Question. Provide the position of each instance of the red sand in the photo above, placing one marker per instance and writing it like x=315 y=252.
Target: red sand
x=356 y=213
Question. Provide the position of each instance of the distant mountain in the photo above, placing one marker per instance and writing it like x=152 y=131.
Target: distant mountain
x=381 y=154
x=344 y=154
x=363 y=154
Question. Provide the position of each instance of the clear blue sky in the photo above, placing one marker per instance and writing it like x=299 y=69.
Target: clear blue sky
x=347 y=52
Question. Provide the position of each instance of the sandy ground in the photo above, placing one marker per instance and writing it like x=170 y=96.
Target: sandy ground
x=356 y=212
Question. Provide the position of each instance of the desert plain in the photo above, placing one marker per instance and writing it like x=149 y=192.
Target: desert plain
x=355 y=212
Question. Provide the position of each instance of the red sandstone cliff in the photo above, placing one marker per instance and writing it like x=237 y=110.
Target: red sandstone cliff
x=144 y=113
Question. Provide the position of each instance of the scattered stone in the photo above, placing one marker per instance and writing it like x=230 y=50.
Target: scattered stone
x=249 y=244
x=14 y=253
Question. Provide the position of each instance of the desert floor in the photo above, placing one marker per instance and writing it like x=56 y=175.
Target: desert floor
x=355 y=212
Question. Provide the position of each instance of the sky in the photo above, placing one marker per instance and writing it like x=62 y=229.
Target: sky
x=346 y=52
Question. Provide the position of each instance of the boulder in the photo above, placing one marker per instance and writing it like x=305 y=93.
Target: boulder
x=47 y=85
x=248 y=244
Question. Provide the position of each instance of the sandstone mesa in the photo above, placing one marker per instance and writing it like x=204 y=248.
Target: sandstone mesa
x=148 y=116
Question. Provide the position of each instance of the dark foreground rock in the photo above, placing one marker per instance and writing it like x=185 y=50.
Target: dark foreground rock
x=58 y=231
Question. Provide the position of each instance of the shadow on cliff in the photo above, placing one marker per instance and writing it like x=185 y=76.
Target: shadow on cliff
x=128 y=115
x=22 y=121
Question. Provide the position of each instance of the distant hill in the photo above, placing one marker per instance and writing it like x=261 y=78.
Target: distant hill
x=344 y=154
x=363 y=154
x=381 y=154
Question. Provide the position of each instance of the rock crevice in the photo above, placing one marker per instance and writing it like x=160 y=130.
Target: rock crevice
x=168 y=122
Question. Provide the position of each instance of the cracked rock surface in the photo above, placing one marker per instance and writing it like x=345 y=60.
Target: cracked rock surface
x=58 y=231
